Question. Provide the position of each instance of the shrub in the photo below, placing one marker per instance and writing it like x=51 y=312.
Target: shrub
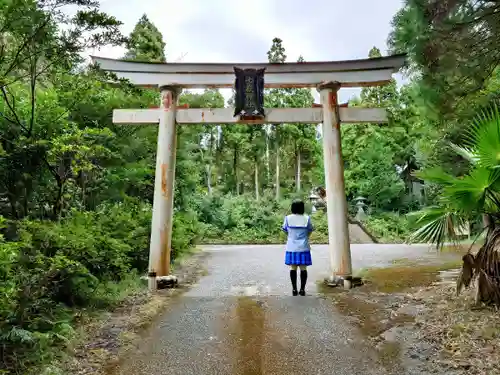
x=389 y=227
x=129 y=221
x=186 y=231
x=37 y=292
x=87 y=260
x=240 y=219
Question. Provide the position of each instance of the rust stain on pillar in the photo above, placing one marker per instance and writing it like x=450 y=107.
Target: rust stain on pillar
x=166 y=100
x=164 y=169
x=164 y=266
x=342 y=271
x=333 y=104
x=332 y=99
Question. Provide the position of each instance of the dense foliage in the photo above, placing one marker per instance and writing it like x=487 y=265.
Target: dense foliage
x=471 y=198
x=76 y=190
x=453 y=57
x=453 y=47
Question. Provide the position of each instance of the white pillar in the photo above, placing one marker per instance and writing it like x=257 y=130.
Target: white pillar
x=338 y=229
x=161 y=225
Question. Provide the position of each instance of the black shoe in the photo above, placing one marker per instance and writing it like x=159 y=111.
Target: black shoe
x=294 y=292
x=302 y=292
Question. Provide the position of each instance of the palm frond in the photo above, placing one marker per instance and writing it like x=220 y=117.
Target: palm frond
x=438 y=225
x=470 y=192
x=436 y=175
x=465 y=152
x=473 y=195
x=483 y=137
x=494 y=191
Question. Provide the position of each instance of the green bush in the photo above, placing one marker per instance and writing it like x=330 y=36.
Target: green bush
x=32 y=316
x=388 y=227
x=186 y=232
x=320 y=222
x=242 y=220
x=87 y=260
x=130 y=221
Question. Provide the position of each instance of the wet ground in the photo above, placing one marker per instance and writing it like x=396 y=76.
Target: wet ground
x=241 y=319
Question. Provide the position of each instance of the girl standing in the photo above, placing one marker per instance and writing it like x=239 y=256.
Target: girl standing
x=298 y=226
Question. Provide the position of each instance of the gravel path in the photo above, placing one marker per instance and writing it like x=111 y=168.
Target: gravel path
x=241 y=319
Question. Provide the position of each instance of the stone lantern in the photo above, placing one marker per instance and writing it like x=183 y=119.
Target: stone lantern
x=314 y=199
x=361 y=206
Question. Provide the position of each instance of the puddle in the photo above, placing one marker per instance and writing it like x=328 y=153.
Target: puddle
x=372 y=319
x=401 y=277
x=396 y=279
x=247 y=328
x=250 y=324
x=381 y=310
x=461 y=248
x=368 y=316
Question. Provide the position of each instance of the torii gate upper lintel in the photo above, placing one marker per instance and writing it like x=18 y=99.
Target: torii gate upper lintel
x=327 y=77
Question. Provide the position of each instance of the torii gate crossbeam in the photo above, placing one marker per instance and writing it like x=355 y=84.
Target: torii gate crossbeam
x=327 y=77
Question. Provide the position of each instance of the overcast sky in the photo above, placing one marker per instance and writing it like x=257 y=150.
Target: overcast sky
x=242 y=30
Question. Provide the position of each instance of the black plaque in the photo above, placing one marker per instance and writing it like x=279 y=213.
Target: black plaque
x=249 y=86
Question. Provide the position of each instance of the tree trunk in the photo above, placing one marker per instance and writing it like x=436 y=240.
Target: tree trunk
x=298 y=171
x=58 y=202
x=256 y=178
x=218 y=158
x=484 y=267
x=13 y=205
x=208 y=169
x=277 y=173
x=268 y=166
x=82 y=186
x=487 y=221
x=235 y=170
x=209 y=164
x=27 y=192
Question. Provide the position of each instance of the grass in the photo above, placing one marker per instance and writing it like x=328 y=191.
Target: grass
x=114 y=293
x=185 y=255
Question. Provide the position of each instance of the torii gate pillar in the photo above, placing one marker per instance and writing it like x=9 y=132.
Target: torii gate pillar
x=163 y=203
x=338 y=230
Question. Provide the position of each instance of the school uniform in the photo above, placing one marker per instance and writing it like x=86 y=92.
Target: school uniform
x=298 y=249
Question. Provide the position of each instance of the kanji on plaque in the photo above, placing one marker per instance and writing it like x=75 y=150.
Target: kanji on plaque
x=249 y=87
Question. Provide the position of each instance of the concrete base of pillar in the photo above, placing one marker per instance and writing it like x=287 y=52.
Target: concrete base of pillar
x=160 y=282
x=152 y=284
x=347 y=282
x=164 y=282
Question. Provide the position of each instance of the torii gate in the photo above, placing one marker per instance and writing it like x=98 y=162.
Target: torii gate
x=327 y=77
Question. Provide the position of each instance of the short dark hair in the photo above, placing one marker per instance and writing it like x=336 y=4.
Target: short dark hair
x=298 y=208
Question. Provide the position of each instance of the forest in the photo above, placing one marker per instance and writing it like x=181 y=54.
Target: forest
x=76 y=191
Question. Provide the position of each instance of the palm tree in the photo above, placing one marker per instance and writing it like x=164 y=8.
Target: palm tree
x=473 y=197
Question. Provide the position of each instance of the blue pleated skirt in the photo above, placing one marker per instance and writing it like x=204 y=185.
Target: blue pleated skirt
x=302 y=258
